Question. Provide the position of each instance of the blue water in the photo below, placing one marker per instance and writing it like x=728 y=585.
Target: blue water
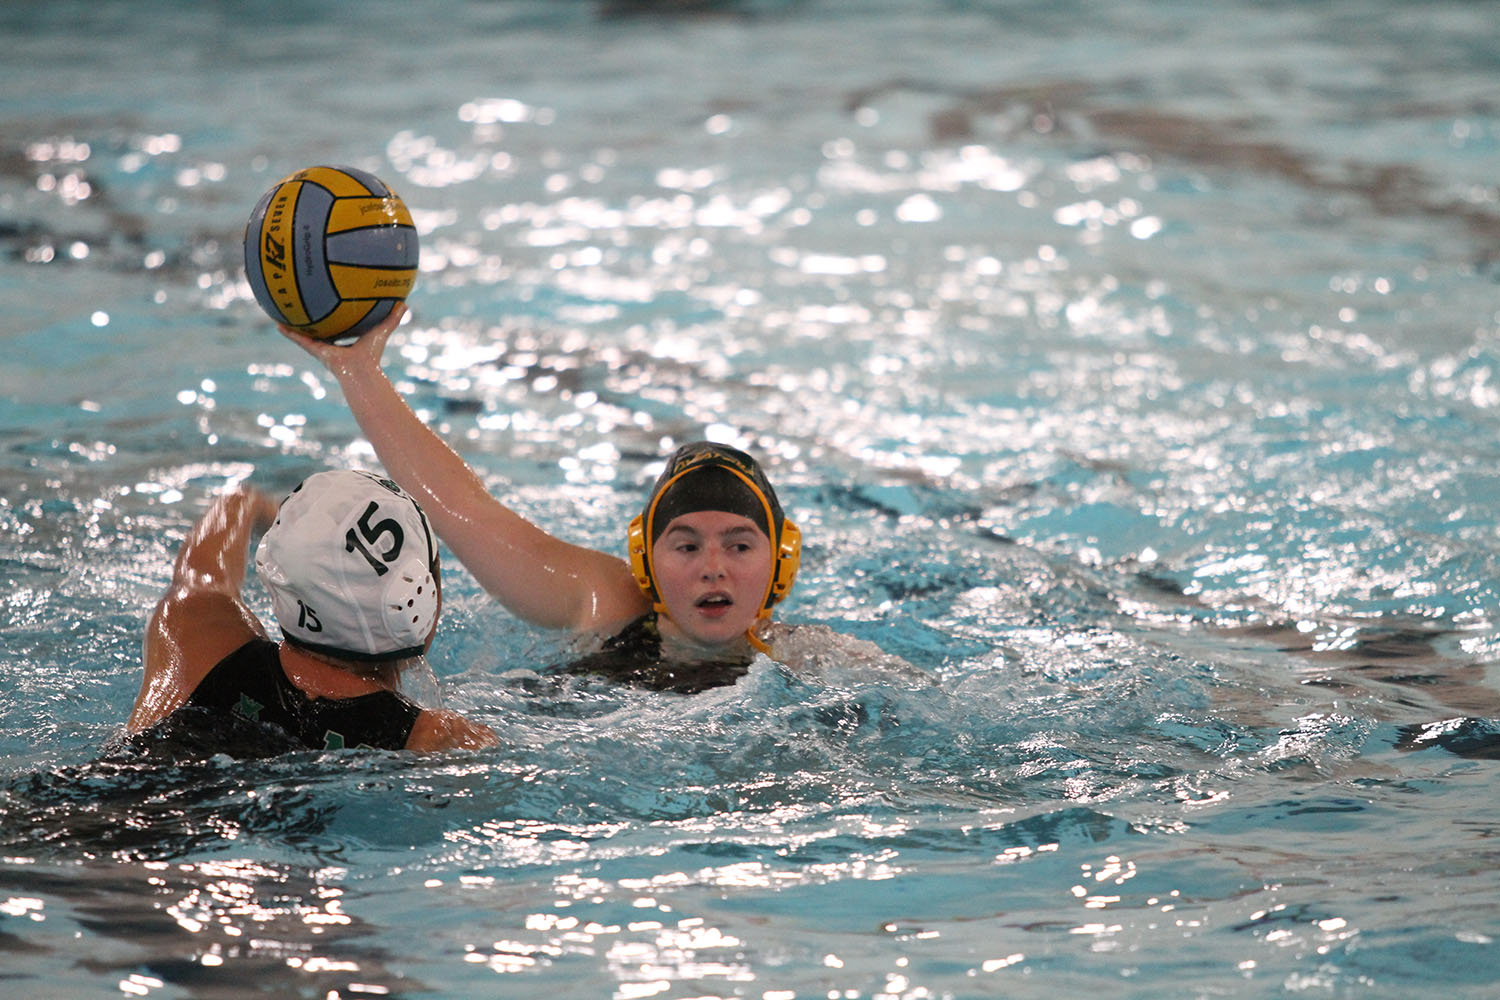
x=1133 y=371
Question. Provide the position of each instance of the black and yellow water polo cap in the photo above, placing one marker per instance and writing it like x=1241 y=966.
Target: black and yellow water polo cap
x=707 y=476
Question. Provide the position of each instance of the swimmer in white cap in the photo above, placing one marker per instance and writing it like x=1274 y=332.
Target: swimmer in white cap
x=353 y=573
x=708 y=559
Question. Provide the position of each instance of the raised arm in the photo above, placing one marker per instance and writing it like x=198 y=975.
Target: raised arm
x=202 y=618
x=537 y=576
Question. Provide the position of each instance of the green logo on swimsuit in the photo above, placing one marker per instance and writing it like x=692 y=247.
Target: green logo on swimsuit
x=248 y=707
x=335 y=741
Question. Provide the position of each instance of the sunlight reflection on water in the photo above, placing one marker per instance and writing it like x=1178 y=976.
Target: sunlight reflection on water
x=1143 y=408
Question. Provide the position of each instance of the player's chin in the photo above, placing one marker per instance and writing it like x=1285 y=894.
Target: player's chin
x=717 y=623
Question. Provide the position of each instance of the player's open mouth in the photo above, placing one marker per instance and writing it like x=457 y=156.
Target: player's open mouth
x=716 y=603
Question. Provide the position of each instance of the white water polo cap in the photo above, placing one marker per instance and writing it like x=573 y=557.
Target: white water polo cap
x=351 y=565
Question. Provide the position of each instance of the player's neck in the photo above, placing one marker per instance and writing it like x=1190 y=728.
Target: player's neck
x=325 y=676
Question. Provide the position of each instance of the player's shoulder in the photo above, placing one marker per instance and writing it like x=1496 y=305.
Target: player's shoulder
x=815 y=651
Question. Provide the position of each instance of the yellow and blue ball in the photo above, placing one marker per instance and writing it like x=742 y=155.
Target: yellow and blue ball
x=329 y=251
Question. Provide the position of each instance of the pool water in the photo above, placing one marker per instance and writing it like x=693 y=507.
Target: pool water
x=1133 y=371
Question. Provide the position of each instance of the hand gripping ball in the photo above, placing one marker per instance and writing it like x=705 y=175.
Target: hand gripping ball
x=330 y=251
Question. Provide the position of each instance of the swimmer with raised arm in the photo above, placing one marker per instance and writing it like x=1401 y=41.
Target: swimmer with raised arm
x=354 y=579
x=709 y=557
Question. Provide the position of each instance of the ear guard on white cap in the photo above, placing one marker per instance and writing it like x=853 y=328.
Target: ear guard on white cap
x=350 y=564
x=411 y=600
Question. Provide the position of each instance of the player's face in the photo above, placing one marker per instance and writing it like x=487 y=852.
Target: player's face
x=712 y=569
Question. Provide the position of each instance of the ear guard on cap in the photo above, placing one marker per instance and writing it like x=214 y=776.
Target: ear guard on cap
x=640 y=560
x=411 y=599
x=788 y=558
